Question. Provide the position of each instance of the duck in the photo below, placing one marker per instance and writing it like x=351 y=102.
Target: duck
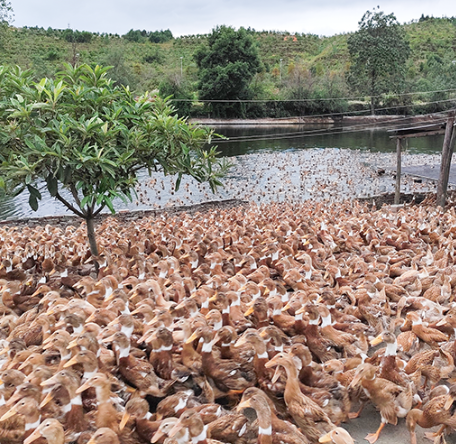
x=104 y=435
x=437 y=411
x=271 y=429
x=392 y=400
x=135 y=371
x=70 y=380
x=308 y=415
x=191 y=420
x=337 y=436
x=28 y=408
x=227 y=375
x=51 y=430
x=107 y=415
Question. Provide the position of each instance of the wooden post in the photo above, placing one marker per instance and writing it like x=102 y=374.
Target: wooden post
x=397 y=194
x=445 y=165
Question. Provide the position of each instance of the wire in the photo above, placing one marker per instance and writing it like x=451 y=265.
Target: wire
x=325 y=131
x=321 y=132
x=307 y=100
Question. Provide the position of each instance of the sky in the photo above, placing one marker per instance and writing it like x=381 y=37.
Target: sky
x=184 y=17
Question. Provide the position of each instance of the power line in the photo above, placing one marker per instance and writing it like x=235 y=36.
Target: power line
x=308 y=100
x=321 y=132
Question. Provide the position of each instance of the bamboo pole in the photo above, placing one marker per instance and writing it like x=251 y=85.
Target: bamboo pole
x=445 y=165
x=397 y=194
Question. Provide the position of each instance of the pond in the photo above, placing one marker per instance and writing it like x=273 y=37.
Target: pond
x=274 y=163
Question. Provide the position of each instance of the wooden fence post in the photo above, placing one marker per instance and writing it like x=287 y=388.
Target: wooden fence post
x=397 y=194
x=445 y=165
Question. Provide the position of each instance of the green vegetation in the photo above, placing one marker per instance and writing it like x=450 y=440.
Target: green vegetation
x=87 y=138
x=379 y=53
x=301 y=73
x=227 y=66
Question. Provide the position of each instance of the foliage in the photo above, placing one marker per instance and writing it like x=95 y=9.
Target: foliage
x=6 y=11
x=87 y=139
x=226 y=67
x=178 y=89
x=144 y=66
x=379 y=52
x=143 y=36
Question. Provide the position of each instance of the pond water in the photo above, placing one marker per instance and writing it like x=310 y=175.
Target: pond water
x=294 y=162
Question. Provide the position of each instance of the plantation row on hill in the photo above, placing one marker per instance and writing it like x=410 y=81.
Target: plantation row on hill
x=300 y=73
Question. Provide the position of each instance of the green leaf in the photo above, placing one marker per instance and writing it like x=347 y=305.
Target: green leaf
x=33 y=202
x=52 y=185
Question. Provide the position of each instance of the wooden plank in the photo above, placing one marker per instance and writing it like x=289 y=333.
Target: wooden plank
x=424 y=134
x=397 y=194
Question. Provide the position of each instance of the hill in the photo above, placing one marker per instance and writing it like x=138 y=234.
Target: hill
x=296 y=66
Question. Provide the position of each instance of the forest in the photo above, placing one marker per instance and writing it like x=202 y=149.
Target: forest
x=297 y=74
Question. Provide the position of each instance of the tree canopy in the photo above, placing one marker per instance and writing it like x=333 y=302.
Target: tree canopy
x=226 y=67
x=379 y=53
x=87 y=139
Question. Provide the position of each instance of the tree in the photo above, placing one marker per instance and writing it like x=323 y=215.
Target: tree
x=6 y=15
x=87 y=139
x=226 y=67
x=379 y=54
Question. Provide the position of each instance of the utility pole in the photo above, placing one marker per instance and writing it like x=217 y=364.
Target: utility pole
x=181 y=65
x=280 y=70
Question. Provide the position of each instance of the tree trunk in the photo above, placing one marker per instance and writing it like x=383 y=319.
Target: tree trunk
x=91 y=236
x=372 y=104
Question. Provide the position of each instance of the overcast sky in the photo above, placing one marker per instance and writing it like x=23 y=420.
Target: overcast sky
x=183 y=17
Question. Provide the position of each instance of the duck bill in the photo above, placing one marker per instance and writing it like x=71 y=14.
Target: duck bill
x=276 y=376
x=448 y=403
x=23 y=365
x=33 y=437
x=158 y=434
x=175 y=429
x=72 y=344
x=126 y=416
x=8 y=414
x=243 y=405
x=326 y=438
x=92 y=441
x=240 y=342
x=49 y=397
x=83 y=387
x=376 y=341
x=192 y=338
x=72 y=361
x=249 y=311
x=442 y=321
x=355 y=381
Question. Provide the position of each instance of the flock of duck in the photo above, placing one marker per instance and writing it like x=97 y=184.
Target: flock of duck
x=242 y=325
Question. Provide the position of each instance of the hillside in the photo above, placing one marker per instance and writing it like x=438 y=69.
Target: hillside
x=295 y=66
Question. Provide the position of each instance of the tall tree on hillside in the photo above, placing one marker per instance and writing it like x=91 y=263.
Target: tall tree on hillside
x=226 y=67
x=379 y=54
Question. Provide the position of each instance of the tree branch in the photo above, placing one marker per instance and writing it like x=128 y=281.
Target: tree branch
x=96 y=213
x=74 y=192
x=69 y=206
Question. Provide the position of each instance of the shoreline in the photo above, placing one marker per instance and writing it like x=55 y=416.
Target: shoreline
x=307 y=120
